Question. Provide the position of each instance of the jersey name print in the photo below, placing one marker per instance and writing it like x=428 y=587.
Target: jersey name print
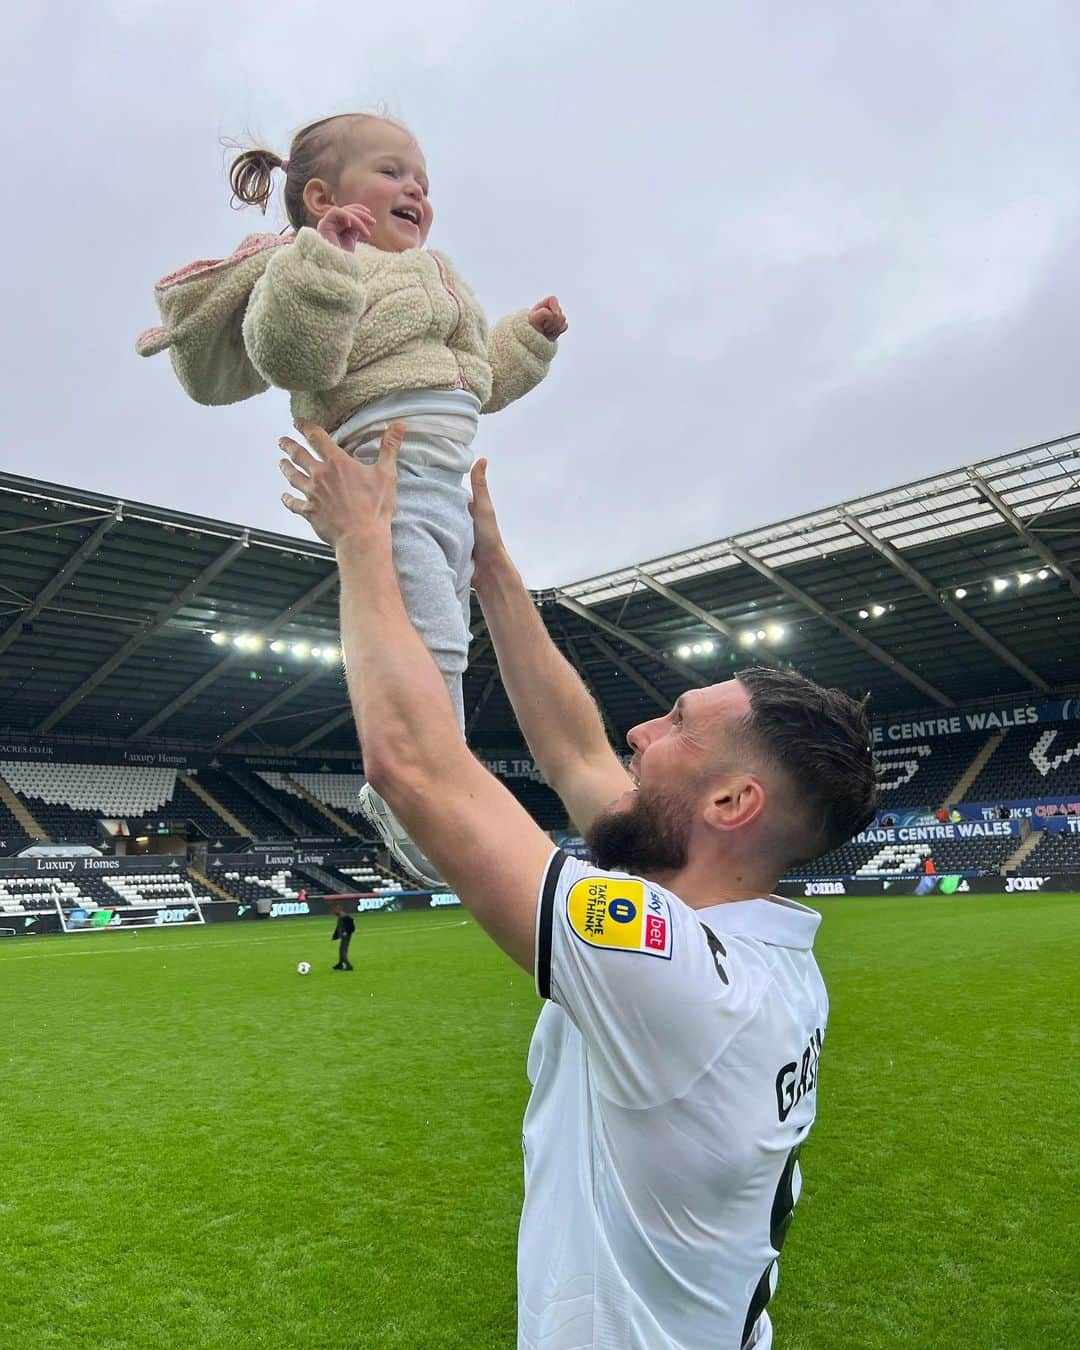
x=622 y=913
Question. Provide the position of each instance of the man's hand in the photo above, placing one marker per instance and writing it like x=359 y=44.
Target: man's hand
x=346 y=226
x=342 y=498
x=546 y=317
x=488 y=546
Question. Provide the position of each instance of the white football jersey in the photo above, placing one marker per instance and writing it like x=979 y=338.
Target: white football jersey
x=674 y=1079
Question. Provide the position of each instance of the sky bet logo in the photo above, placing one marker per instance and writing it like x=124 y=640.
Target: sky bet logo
x=619 y=913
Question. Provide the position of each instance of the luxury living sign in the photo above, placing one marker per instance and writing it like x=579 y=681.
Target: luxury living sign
x=961 y=722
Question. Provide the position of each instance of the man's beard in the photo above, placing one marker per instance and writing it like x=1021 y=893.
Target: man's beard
x=649 y=838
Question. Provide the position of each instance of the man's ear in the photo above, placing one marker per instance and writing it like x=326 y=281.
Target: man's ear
x=318 y=198
x=734 y=801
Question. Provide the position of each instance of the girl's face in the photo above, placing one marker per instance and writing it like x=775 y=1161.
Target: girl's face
x=387 y=174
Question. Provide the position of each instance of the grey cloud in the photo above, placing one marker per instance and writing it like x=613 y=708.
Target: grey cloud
x=805 y=253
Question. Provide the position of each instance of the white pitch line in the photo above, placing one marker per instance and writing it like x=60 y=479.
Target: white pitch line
x=188 y=946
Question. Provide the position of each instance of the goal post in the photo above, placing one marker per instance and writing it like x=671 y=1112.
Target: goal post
x=76 y=918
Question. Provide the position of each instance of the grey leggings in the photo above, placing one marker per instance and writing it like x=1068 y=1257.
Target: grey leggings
x=433 y=542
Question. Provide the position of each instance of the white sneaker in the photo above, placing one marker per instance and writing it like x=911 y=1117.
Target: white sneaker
x=393 y=834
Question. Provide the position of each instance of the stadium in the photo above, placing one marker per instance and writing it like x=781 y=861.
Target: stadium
x=178 y=758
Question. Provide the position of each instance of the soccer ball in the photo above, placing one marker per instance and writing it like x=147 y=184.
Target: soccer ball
x=304 y=968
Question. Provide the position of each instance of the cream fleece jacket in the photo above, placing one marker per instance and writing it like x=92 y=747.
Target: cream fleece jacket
x=338 y=330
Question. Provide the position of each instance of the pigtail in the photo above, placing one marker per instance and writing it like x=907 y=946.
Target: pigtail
x=251 y=177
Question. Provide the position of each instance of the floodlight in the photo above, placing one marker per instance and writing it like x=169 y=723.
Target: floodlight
x=877 y=611
x=999 y=584
x=776 y=632
x=683 y=651
x=219 y=639
x=960 y=593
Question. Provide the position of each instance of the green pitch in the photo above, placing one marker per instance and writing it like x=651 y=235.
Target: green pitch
x=202 y=1149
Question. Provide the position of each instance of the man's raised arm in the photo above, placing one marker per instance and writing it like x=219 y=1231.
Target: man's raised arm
x=559 y=720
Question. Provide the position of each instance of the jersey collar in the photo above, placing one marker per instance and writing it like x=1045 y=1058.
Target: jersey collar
x=777 y=921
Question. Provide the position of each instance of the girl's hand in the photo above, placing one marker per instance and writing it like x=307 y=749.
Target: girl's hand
x=546 y=317
x=346 y=226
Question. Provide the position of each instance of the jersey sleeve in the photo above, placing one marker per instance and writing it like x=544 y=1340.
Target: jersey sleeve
x=656 y=996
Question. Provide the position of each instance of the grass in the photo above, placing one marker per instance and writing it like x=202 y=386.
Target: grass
x=203 y=1149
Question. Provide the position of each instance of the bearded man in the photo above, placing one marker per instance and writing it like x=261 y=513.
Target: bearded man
x=674 y=1066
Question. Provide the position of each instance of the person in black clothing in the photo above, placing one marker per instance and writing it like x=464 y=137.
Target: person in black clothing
x=343 y=935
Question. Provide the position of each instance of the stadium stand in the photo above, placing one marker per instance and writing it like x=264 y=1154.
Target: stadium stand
x=1053 y=853
x=925 y=775
x=229 y=794
x=944 y=596
x=364 y=876
x=252 y=883
x=317 y=822
x=34 y=894
x=164 y=889
x=540 y=802
x=339 y=791
x=1032 y=762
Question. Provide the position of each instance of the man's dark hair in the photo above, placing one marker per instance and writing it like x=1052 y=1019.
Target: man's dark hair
x=821 y=739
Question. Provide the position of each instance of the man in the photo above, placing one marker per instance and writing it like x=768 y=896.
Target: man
x=343 y=936
x=674 y=1067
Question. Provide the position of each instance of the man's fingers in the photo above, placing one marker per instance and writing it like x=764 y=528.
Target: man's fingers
x=390 y=445
x=296 y=505
x=300 y=480
x=318 y=438
x=299 y=454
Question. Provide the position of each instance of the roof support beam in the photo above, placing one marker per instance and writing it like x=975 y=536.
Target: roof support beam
x=60 y=579
x=590 y=688
x=478 y=707
x=958 y=616
x=324 y=729
x=852 y=634
x=157 y=620
x=1040 y=549
x=646 y=686
x=631 y=640
x=305 y=601
x=481 y=643
x=278 y=701
x=703 y=616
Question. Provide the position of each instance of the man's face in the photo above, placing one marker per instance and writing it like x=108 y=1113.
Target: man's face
x=648 y=829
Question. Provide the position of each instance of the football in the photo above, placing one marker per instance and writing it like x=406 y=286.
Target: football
x=303 y=968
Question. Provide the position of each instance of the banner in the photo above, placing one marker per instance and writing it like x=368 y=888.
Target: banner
x=285 y=857
x=1022 y=808
x=81 y=867
x=64 y=752
x=959 y=723
x=929 y=833
x=944 y=885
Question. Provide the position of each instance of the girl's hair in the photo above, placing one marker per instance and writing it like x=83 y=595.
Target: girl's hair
x=318 y=150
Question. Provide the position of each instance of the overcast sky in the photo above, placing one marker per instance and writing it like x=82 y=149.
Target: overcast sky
x=806 y=251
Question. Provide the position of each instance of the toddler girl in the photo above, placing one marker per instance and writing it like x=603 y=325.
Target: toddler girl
x=363 y=326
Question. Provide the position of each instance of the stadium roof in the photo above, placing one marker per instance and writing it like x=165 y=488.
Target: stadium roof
x=961 y=587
